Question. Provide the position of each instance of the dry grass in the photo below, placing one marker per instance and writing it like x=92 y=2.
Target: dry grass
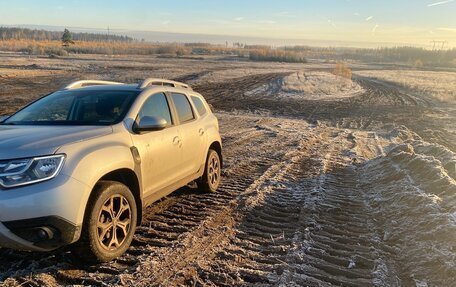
x=33 y=47
x=276 y=56
x=342 y=70
x=85 y=47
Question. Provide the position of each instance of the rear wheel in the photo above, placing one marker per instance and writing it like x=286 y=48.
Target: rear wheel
x=211 y=178
x=109 y=224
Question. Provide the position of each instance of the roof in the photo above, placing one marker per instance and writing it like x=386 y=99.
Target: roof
x=106 y=85
x=121 y=87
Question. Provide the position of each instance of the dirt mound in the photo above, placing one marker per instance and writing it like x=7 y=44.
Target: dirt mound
x=413 y=197
x=319 y=86
x=315 y=86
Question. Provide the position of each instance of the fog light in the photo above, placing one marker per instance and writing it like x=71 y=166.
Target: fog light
x=45 y=233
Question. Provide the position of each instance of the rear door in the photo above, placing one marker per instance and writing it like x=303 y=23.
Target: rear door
x=160 y=151
x=203 y=125
x=191 y=133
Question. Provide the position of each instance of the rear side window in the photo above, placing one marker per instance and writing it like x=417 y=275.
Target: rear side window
x=199 y=105
x=156 y=106
x=183 y=108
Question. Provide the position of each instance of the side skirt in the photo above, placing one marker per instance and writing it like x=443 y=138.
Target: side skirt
x=147 y=201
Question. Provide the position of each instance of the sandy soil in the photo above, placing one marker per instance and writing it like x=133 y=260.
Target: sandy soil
x=352 y=190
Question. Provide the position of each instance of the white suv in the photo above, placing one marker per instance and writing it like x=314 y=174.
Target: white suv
x=79 y=165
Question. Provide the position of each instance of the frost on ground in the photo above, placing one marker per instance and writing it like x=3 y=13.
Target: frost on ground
x=227 y=73
x=411 y=194
x=437 y=85
x=308 y=85
x=319 y=86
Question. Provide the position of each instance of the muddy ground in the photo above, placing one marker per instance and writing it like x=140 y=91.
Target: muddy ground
x=356 y=190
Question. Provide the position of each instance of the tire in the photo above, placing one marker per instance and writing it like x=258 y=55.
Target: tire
x=211 y=178
x=109 y=223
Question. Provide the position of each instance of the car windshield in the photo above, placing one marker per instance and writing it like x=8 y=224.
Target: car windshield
x=78 y=107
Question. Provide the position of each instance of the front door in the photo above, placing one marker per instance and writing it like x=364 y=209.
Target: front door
x=160 y=151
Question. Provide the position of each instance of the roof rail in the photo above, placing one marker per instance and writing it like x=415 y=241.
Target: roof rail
x=162 y=82
x=85 y=83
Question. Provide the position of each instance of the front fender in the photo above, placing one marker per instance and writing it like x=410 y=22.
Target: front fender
x=89 y=162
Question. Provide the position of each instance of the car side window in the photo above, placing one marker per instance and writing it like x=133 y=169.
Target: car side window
x=199 y=105
x=156 y=106
x=183 y=108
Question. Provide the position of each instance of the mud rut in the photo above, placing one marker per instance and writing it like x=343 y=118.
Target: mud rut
x=291 y=209
x=310 y=228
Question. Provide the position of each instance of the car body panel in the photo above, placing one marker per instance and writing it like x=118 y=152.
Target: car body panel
x=193 y=146
x=62 y=196
x=31 y=141
x=161 y=154
x=90 y=160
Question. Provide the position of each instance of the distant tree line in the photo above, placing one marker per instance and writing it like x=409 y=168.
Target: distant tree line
x=412 y=55
x=418 y=57
x=49 y=42
x=297 y=48
x=270 y=55
x=10 y=33
x=405 y=54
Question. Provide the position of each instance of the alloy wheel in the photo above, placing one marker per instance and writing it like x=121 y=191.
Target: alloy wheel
x=214 y=170
x=114 y=222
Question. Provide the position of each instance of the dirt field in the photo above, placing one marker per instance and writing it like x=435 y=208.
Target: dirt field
x=327 y=182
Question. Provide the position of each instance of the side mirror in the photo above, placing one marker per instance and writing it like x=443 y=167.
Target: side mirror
x=3 y=118
x=149 y=124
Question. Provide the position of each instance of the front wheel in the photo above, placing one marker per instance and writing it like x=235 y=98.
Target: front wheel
x=211 y=178
x=109 y=224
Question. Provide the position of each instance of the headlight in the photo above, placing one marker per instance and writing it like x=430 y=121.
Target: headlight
x=20 y=172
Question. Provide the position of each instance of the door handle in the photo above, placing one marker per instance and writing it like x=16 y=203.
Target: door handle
x=176 y=140
x=201 y=132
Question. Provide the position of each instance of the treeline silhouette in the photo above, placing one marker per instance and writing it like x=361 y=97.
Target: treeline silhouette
x=13 y=33
x=409 y=55
x=412 y=55
x=270 y=55
x=42 y=42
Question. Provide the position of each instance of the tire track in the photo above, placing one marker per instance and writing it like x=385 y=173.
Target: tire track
x=312 y=228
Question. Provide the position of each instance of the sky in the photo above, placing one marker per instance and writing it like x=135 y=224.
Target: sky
x=378 y=21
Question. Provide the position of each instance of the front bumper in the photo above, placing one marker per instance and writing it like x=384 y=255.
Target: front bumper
x=58 y=204
x=10 y=240
x=56 y=231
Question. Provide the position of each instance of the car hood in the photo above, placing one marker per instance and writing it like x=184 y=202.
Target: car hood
x=31 y=141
